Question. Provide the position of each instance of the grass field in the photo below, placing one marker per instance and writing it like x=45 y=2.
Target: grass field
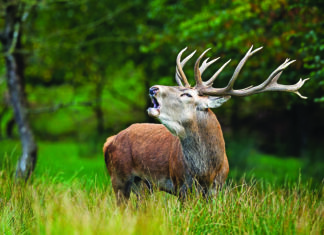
x=70 y=194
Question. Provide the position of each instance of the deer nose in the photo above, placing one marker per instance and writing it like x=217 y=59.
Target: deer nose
x=153 y=90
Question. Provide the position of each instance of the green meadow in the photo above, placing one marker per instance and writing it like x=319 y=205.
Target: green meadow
x=70 y=194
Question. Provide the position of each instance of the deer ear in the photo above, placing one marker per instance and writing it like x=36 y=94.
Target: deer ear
x=215 y=102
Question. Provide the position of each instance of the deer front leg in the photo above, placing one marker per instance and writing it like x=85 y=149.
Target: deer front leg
x=186 y=187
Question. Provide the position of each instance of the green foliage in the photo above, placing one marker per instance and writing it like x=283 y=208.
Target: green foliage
x=277 y=170
x=104 y=56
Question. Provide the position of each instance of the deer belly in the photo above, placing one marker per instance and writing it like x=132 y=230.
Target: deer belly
x=161 y=182
x=166 y=185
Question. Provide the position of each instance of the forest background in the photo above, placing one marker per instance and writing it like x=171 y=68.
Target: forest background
x=86 y=67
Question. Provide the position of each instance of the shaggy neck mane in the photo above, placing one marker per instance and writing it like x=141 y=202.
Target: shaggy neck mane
x=203 y=146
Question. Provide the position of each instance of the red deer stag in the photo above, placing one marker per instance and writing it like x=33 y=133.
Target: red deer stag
x=195 y=153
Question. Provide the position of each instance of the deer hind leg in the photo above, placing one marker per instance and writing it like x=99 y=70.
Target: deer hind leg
x=141 y=187
x=216 y=187
x=122 y=189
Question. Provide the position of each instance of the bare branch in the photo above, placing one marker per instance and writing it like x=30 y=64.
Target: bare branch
x=56 y=107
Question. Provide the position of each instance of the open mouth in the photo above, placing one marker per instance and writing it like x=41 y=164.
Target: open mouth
x=155 y=110
x=155 y=103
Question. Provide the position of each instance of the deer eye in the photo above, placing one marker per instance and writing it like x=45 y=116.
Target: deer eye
x=186 y=94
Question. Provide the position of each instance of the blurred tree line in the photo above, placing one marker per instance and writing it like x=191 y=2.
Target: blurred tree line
x=86 y=66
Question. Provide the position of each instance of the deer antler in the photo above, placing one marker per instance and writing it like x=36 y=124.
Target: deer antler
x=180 y=75
x=270 y=84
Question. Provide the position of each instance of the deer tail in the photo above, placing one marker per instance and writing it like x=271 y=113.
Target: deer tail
x=106 y=149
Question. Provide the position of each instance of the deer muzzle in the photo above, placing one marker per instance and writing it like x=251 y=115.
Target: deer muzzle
x=155 y=110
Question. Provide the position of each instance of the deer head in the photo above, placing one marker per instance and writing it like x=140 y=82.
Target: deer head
x=179 y=106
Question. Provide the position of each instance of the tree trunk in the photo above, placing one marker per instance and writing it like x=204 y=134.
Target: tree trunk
x=11 y=40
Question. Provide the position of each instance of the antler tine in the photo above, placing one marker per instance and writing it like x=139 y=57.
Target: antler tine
x=178 y=78
x=274 y=76
x=198 y=79
x=240 y=66
x=205 y=64
x=180 y=75
x=299 y=84
x=274 y=86
x=179 y=72
x=212 y=79
x=185 y=60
